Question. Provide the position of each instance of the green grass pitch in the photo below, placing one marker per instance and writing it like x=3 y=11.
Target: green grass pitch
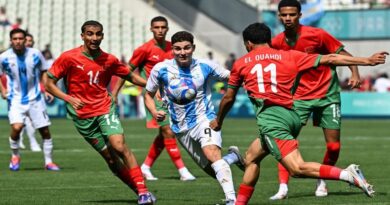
x=85 y=179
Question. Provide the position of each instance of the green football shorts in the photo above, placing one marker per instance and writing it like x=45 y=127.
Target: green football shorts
x=276 y=122
x=326 y=115
x=97 y=130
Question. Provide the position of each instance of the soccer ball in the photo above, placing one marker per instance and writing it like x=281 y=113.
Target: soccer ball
x=181 y=90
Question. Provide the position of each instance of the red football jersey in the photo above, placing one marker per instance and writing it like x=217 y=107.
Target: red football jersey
x=149 y=54
x=269 y=74
x=87 y=79
x=322 y=81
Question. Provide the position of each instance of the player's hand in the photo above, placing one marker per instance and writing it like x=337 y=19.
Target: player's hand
x=76 y=103
x=378 y=58
x=160 y=115
x=354 y=81
x=215 y=125
x=115 y=96
x=4 y=94
x=49 y=97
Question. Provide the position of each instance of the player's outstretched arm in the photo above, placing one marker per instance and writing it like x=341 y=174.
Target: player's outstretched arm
x=337 y=59
x=117 y=87
x=354 y=81
x=226 y=104
x=136 y=79
x=51 y=87
x=151 y=106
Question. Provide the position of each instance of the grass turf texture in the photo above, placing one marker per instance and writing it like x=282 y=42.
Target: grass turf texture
x=85 y=179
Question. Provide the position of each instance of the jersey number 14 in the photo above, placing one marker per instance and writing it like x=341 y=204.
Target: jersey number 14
x=93 y=79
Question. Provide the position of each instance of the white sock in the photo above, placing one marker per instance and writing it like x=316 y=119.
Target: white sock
x=21 y=135
x=230 y=158
x=14 y=145
x=144 y=166
x=183 y=171
x=30 y=131
x=224 y=177
x=345 y=176
x=48 y=150
x=283 y=187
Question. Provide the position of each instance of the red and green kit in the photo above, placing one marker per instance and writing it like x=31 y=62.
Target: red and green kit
x=321 y=82
x=87 y=78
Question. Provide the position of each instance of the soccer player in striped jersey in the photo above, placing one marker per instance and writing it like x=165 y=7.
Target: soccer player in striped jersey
x=23 y=67
x=318 y=91
x=268 y=76
x=190 y=121
x=87 y=70
x=144 y=58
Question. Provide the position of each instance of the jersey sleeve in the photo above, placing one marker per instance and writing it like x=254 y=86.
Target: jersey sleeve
x=60 y=67
x=329 y=42
x=219 y=71
x=304 y=61
x=138 y=57
x=119 y=69
x=152 y=83
x=43 y=64
x=235 y=79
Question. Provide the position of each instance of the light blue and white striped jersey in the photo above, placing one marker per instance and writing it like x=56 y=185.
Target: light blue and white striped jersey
x=185 y=117
x=23 y=74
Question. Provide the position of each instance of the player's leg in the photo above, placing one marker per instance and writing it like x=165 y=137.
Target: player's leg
x=110 y=126
x=299 y=168
x=155 y=148
x=253 y=157
x=30 y=131
x=304 y=109
x=41 y=121
x=21 y=138
x=234 y=157
x=210 y=142
x=90 y=130
x=174 y=152
x=16 y=116
x=222 y=171
x=16 y=128
x=328 y=117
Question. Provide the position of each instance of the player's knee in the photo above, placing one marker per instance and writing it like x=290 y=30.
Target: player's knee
x=333 y=146
x=17 y=127
x=166 y=132
x=296 y=172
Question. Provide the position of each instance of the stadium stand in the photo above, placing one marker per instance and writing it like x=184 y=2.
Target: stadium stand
x=328 y=4
x=57 y=23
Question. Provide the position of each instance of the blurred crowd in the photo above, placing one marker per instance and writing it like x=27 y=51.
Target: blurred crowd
x=379 y=83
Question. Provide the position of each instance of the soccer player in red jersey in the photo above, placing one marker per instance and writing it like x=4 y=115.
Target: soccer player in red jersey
x=145 y=57
x=87 y=71
x=268 y=76
x=318 y=90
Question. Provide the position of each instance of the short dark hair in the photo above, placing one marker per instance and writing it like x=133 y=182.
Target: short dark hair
x=158 y=18
x=257 y=33
x=90 y=23
x=290 y=3
x=182 y=36
x=29 y=35
x=17 y=30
